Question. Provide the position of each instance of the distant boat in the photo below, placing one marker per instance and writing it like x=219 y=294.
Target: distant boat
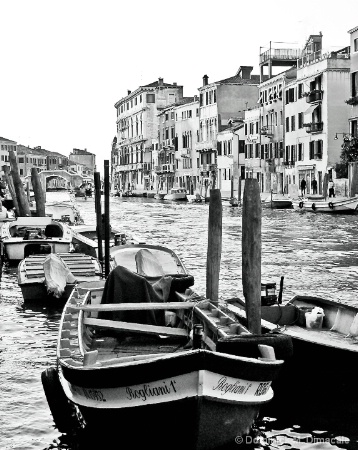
x=177 y=194
x=332 y=206
x=34 y=235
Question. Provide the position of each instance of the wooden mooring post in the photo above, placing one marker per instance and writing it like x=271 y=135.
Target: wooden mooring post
x=214 y=246
x=38 y=192
x=251 y=254
x=10 y=185
x=107 y=229
x=24 y=207
x=98 y=208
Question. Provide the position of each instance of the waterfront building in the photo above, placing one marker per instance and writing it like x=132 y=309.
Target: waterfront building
x=85 y=158
x=264 y=130
x=187 y=134
x=352 y=100
x=314 y=111
x=5 y=146
x=137 y=134
x=229 y=159
x=27 y=158
x=218 y=102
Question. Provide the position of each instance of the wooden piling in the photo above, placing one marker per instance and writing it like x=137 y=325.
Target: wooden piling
x=251 y=254
x=239 y=191
x=107 y=229
x=38 y=192
x=214 y=246
x=325 y=185
x=24 y=207
x=98 y=208
x=10 y=185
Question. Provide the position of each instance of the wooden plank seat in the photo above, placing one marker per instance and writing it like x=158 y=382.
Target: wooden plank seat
x=134 y=306
x=135 y=327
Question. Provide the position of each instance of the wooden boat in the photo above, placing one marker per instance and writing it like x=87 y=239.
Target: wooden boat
x=322 y=371
x=330 y=206
x=129 y=353
x=84 y=239
x=177 y=194
x=34 y=235
x=53 y=276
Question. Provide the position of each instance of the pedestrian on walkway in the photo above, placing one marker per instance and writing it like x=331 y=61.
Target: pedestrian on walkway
x=303 y=187
x=314 y=186
x=331 y=189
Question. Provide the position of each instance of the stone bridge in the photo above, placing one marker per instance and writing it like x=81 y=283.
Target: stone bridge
x=59 y=178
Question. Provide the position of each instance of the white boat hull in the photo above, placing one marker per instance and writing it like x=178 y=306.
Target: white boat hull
x=345 y=206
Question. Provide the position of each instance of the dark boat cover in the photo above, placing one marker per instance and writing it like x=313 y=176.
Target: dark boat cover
x=125 y=286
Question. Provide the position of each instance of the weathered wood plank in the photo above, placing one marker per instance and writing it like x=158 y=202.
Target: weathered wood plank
x=135 y=327
x=134 y=306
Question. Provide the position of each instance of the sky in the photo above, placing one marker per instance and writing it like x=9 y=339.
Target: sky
x=64 y=64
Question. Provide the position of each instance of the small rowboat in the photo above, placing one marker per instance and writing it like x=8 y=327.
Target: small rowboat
x=131 y=355
x=52 y=277
x=334 y=206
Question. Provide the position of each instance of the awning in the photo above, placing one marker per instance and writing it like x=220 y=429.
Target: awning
x=306 y=167
x=311 y=109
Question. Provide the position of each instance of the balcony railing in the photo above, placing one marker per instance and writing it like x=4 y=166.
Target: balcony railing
x=314 y=96
x=266 y=131
x=313 y=127
x=165 y=168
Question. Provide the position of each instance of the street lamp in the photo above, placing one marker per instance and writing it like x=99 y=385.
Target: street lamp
x=344 y=134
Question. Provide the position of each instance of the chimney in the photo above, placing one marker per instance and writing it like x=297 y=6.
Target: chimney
x=160 y=81
x=174 y=83
x=196 y=98
x=128 y=92
x=205 y=80
x=245 y=72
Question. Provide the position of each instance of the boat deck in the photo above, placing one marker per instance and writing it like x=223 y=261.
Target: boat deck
x=115 y=347
x=322 y=336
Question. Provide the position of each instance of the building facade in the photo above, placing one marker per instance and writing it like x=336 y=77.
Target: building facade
x=5 y=146
x=314 y=113
x=137 y=133
x=218 y=103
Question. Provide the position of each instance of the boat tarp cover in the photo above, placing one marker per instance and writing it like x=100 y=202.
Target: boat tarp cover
x=125 y=286
x=57 y=275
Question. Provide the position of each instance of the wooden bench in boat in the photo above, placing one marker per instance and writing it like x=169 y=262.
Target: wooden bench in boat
x=135 y=327
x=134 y=306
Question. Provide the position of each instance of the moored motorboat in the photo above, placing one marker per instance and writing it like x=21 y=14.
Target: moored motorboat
x=331 y=206
x=34 y=235
x=177 y=194
x=52 y=277
x=85 y=240
x=324 y=335
x=129 y=352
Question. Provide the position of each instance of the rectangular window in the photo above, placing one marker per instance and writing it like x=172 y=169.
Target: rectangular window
x=300 y=152
x=354 y=78
x=241 y=146
x=300 y=90
x=287 y=124
x=300 y=120
x=312 y=149
x=319 y=149
x=355 y=45
x=150 y=98
x=293 y=123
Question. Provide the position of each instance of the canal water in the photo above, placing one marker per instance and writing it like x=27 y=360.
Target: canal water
x=316 y=254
